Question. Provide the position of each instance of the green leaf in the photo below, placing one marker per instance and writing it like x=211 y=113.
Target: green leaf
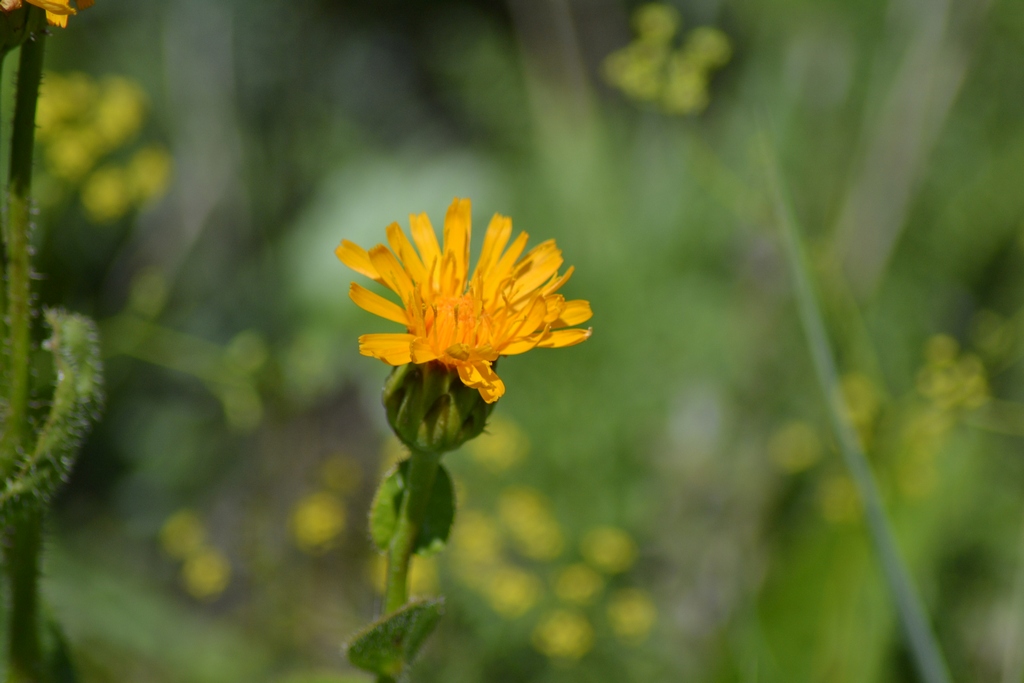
x=387 y=505
x=389 y=644
x=37 y=475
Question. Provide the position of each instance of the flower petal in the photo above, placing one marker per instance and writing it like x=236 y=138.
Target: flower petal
x=456 y=247
x=378 y=305
x=393 y=349
x=558 y=339
x=422 y=352
x=356 y=258
x=402 y=247
x=391 y=272
x=574 y=313
x=481 y=376
x=424 y=237
x=498 y=233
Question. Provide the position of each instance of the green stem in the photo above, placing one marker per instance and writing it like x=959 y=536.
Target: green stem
x=22 y=569
x=21 y=558
x=421 y=474
x=19 y=294
x=925 y=649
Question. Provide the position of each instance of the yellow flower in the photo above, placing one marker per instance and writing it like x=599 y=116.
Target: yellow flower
x=508 y=305
x=57 y=11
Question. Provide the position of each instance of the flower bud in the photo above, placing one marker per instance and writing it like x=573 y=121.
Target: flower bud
x=430 y=408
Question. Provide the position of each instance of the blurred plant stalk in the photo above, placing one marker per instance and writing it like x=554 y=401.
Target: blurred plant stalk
x=36 y=456
x=921 y=640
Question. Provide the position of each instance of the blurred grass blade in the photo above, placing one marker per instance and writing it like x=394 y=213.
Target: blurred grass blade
x=927 y=655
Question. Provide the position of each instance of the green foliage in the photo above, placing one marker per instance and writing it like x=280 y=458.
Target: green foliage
x=35 y=477
x=436 y=524
x=387 y=646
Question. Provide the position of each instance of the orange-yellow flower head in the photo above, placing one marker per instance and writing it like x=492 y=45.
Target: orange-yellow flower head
x=508 y=305
x=57 y=11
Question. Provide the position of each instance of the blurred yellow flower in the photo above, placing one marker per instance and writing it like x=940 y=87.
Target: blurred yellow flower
x=501 y=446
x=526 y=515
x=578 y=584
x=564 y=634
x=507 y=306
x=609 y=549
x=206 y=574
x=631 y=613
x=951 y=380
x=183 y=534
x=120 y=111
x=476 y=546
x=150 y=173
x=317 y=521
x=649 y=70
x=839 y=499
x=106 y=194
x=512 y=591
x=795 y=446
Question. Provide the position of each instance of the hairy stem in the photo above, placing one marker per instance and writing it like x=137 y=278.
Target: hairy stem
x=21 y=557
x=421 y=474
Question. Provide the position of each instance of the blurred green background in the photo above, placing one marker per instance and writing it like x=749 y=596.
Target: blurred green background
x=662 y=503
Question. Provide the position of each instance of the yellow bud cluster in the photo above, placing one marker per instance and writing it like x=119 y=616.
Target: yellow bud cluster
x=651 y=70
x=205 y=570
x=80 y=121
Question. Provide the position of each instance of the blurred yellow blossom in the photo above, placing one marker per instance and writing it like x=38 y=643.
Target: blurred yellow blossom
x=317 y=521
x=527 y=516
x=609 y=549
x=951 y=380
x=839 y=499
x=72 y=153
x=511 y=591
x=106 y=194
x=862 y=401
x=149 y=173
x=80 y=121
x=993 y=335
x=475 y=545
x=631 y=613
x=564 y=634
x=183 y=534
x=501 y=446
x=656 y=22
x=206 y=574
x=795 y=446
x=578 y=584
x=120 y=111
x=649 y=70
x=708 y=47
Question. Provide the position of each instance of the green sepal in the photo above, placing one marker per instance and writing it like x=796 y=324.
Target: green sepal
x=35 y=477
x=437 y=522
x=389 y=644
x=430 y=409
